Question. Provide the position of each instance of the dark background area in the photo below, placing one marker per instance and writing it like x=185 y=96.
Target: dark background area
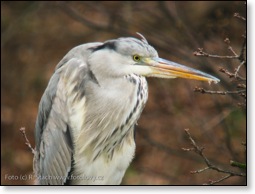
x=36 y=35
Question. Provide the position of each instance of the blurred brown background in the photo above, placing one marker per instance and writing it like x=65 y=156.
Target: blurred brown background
x=36 y=35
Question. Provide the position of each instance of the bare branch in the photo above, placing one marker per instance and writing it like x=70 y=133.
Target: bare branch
x=237 y=15
x=242 y=57
x=23 y=132
x=227 y=41
x=199 y=171
x=236 y=80
x=203 y=91
x=199 y=151
x=241 y=86
x=231 y=75
x=200 y=52
x=211 y=182
x=237 y=69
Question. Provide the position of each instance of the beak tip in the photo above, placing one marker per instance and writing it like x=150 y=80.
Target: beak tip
x=215 y=81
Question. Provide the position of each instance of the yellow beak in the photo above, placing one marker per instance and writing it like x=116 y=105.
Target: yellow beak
x=168 y=69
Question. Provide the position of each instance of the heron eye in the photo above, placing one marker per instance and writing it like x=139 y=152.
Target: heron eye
x=136 y=58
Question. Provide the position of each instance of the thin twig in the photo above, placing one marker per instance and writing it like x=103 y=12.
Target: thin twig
x=235 y=78
x=242 y=57
x=199 y=151
x=200 y=52
x=238 y=68
x=231 y=75
x=203 y=91
x=199 y=171
x=227 y=41
x=237 y=15
x=241 y=86
x=219 y=180
x=23 y=132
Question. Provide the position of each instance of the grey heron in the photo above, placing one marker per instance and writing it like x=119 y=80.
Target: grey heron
x=84 y=131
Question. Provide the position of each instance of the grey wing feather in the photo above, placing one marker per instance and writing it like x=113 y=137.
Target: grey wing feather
x=53 y=157
x=54 y=145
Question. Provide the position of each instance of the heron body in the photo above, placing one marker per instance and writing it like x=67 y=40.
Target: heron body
x=85 y=126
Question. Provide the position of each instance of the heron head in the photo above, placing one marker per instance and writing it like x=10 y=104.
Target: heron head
x=125 y=56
